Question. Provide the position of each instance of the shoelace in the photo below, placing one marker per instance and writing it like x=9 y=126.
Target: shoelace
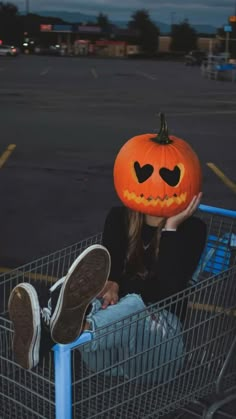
x=46 y=313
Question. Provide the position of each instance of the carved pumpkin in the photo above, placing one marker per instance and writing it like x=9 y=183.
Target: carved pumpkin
x=157 y=174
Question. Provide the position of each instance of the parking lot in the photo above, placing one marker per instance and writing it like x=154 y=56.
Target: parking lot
x=68 y=118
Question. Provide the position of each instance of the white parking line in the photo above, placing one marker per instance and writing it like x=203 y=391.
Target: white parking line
x=226 y=102
x=146 y=75
x=202 y=113
x=94 y=73
x=210 y=93
x=45 y=71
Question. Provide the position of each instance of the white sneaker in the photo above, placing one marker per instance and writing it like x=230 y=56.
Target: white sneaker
x=86 y=278
x=24 y=312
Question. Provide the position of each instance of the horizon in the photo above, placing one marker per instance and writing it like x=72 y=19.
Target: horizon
x=214 y=13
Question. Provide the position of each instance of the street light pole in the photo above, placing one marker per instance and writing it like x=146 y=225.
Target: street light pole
x=227 y=46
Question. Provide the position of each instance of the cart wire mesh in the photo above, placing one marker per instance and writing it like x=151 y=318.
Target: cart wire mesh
x=23 y=393
x=153 y=389
x=123 y=384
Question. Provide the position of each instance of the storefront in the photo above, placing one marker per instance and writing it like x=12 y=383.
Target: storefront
x=73 y=39
x=106 y=48
x=82 y=47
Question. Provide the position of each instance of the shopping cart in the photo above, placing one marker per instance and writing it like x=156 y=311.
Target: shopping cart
x=74 y=381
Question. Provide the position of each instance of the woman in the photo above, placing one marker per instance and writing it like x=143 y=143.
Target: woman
x=143 y=260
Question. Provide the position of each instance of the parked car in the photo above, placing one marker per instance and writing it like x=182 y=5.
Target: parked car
x=50 y=50
x=9 y=50
x=195 y=57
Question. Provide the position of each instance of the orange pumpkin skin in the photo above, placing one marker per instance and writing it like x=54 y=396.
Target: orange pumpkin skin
x=167 y=189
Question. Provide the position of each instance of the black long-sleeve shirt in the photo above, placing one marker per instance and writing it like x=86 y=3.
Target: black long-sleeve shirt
x=179 y=255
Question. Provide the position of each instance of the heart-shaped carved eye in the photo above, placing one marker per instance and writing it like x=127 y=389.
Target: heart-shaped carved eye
x=143 y=172
x=171 y=177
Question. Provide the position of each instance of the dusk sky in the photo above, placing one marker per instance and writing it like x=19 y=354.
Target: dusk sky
x=213 y=12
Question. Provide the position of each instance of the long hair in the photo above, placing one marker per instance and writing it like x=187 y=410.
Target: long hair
x=135 y=250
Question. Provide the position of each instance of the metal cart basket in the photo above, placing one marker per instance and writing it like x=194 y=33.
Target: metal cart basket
x=80 y=381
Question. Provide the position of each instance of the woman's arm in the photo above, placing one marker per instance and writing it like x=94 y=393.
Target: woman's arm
x=179 y=254
x=180 y=250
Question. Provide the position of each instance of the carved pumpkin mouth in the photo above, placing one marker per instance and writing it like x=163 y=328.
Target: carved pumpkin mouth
x=167 y=201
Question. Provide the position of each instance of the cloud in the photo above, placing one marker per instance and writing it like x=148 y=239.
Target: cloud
x=195 y=10
x=211 y=4
x=129 y=5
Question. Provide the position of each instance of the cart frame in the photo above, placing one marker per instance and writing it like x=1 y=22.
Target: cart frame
x=53 y=389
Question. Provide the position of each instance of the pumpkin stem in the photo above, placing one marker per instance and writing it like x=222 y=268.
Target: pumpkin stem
x=163 y=136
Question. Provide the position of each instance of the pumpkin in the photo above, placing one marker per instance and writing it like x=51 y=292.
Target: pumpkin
x=157 y=174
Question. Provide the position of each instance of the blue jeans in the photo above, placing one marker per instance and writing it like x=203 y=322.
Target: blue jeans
x=129 y=342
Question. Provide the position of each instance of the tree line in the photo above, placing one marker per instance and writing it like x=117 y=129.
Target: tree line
x=183 y=36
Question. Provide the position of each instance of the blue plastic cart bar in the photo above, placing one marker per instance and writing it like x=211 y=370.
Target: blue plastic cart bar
x=62 y=353
x=63 y=379
x=226 y=67
x=218 y=211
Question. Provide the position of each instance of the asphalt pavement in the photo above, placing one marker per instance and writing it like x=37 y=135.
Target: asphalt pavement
x=68 y=117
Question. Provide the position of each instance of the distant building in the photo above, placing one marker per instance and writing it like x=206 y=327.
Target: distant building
x=164 y=43
x=90 y=39
x=202 y=43
x=205 y=44
x=108 y=48
x=132 y=50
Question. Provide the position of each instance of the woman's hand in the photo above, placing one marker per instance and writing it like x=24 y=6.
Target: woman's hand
x=109 y=294
x=176 y=220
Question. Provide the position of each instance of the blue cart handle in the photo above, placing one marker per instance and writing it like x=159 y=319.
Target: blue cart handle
x=218 y=211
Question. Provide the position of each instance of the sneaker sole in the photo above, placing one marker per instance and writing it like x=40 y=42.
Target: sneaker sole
x=24 y=312
x=85 y=280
